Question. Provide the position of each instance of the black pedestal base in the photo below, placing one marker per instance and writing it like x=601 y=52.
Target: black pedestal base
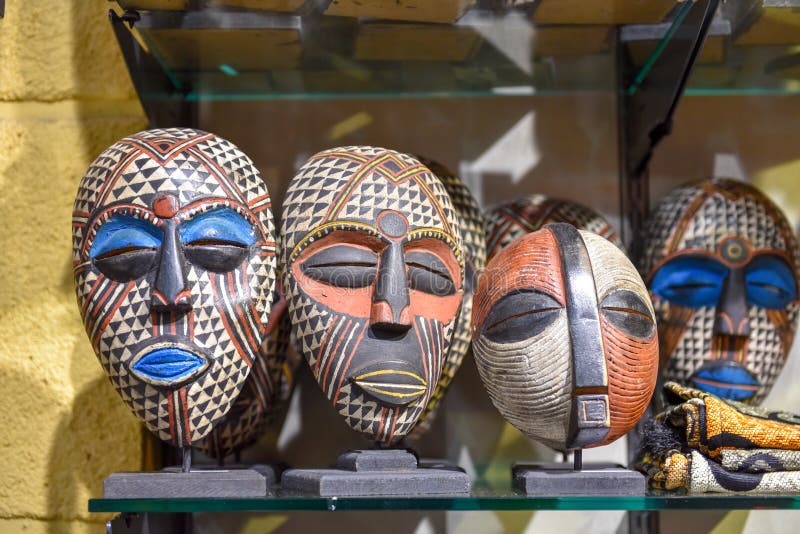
x=553 y=479
x=368 y=473
x=200 y=482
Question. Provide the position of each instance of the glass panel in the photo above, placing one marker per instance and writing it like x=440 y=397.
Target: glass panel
x=753 y=48
x=229 y=50
x=481 y=499
x=224 y=54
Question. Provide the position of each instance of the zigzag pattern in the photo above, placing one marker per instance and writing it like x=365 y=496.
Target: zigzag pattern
x=508 y=222
x=473 y=233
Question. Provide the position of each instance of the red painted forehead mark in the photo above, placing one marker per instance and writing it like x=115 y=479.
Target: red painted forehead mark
x=165 y=206
x=531 y=262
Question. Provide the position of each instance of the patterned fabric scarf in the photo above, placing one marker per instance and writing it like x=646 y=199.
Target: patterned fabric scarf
x=702 y=444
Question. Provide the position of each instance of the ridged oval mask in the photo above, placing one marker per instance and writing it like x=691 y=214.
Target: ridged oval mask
x=174 y=264
x=721 y=264
x=564 y=338
x=373 y=271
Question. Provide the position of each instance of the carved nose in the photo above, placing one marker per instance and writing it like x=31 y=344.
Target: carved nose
x=382 y=316
x=390 y=301
x=731 y=314
x=170 y=293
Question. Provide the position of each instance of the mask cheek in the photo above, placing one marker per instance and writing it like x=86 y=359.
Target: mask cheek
x=684 y=338
x=632 y=366
x=440 y=308
x=771 y=336
x=532 y=376
x=260 y=270
x=355 y=302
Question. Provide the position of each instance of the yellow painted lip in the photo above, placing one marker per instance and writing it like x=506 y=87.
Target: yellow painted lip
x=370 y=374
x=392 y=389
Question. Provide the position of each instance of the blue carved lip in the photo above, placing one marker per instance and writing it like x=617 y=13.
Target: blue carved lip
x=728 y=381
x=168 y=366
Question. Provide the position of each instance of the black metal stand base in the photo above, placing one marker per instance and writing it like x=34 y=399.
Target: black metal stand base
x=197 y=483
x=554 y=480
x=376 y=472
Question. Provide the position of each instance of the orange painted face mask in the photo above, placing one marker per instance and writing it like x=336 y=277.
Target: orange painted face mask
x=373 y=273
x=564 y=338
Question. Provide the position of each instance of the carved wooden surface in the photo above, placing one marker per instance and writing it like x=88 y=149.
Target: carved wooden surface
x=730 y=335
x=174 y=264
x=373 y=272
x=530 y=330
x=511 y=220
x=473 y=236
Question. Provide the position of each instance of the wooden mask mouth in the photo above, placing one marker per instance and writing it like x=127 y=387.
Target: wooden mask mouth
x=396 y=383
x=168 y=363
x=726 y=379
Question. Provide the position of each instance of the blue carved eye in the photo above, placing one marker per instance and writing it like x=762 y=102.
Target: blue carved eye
x=124 y=234
x=770 y=282
x=218 y=226
x=690 y=281
x=217 y=240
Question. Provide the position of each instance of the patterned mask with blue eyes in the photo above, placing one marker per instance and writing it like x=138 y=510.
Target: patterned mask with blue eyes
x=174 y=264
x=721 y=261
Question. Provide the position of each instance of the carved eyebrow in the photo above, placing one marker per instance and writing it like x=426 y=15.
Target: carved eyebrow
x=124 y=232
x=221 y=224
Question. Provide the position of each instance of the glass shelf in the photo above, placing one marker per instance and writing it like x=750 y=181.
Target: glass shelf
x=218 y=52
x=235 y=55
x=482 y=498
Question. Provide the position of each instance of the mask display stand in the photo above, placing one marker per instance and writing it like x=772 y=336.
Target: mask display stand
x=185 y=482
x=377 y=472
x=562 y=478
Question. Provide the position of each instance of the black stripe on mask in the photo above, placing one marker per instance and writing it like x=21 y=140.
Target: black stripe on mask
x=590 y=417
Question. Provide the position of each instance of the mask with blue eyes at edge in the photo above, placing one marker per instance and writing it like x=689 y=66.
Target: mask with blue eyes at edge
x=721 y=260
x=174 y=272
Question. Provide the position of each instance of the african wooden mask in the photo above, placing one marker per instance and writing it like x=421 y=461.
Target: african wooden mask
x=174 y=262
x=721 y=263
x=473 y=236
x=506 y=222
x=373 y=272
x=565 y=338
